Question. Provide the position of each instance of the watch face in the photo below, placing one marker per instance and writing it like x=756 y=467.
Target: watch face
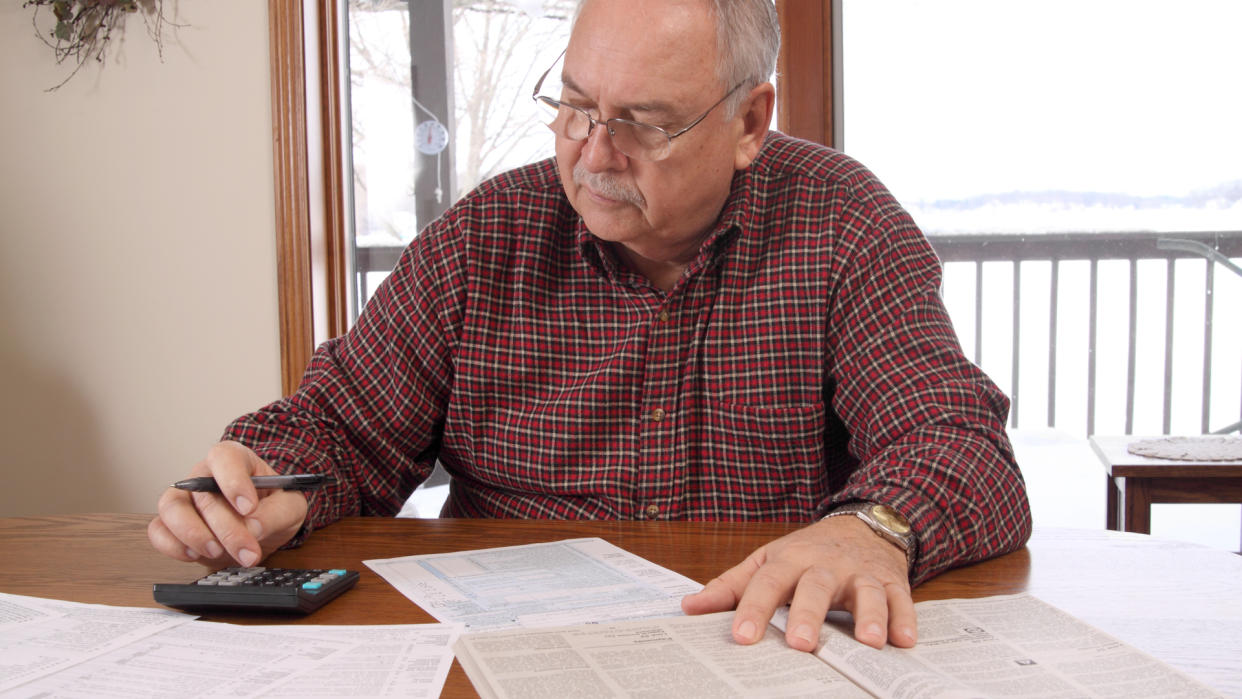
x=430 y=137
x=890 y=519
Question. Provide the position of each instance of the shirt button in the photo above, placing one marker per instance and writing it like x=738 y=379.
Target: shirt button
x=663 y=316
x=657 y=414
x=653 y=510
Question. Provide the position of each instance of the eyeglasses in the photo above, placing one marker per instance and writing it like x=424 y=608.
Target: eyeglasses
x=633 y=138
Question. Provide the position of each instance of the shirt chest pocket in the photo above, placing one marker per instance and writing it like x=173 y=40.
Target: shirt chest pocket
x=765 y=461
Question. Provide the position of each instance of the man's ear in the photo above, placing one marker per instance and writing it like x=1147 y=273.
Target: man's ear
x=756 y=115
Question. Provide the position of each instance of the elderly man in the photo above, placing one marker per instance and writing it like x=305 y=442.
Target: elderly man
x=681 y=316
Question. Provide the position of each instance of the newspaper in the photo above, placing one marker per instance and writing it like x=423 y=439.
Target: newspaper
x=1006 y=646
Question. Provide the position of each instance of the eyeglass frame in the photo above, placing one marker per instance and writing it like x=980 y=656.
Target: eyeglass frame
x=592 y=122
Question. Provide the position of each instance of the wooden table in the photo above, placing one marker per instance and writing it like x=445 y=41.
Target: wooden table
x=1135 y=482
x=1178 y=601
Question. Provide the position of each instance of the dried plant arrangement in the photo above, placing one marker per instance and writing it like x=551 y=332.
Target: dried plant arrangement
x=83 y=29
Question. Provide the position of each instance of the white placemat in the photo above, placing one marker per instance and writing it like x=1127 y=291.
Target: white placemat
x=1205 y=448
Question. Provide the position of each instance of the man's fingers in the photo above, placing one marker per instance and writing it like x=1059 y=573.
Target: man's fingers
x=164 y=542
x=232 y=465
x=812 y=599
x=211 y=527
x=191 y=536
x=753 y=587
x=836 y=563
x=770 y=587
x=903 y=622
x=277 y=518
x=228 y=527
x=723 y=593
x=238 y=524
x=869 y=605
x=716 y=596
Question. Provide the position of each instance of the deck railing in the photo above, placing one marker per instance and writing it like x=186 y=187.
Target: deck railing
x=1148 y=260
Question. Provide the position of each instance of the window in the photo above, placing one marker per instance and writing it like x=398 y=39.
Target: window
x=439 y=102
x=1076 y=165
x=1051 y=153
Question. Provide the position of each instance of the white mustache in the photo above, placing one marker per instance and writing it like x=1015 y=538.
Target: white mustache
x=608 y=185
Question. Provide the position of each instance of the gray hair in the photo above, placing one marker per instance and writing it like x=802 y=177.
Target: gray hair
x=748 y=38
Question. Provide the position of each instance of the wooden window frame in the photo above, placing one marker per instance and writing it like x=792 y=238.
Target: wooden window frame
x=312 y=248
x=307 y=141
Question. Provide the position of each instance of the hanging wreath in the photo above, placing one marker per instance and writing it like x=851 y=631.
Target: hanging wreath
x=83 y=28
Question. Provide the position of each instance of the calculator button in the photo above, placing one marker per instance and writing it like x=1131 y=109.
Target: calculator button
x=311 y=586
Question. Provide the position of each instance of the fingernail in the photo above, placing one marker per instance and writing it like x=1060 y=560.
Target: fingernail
x=243 y=505
x=255 y=527
x=806 y=633
x=191 y=553
x=214 y=550
x=248 y=557
x=873 y=630
x=911 y=636
x=746 y=631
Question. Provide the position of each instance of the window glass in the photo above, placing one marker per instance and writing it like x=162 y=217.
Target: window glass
x=1067 y=115
x=1078 y=167
x=430 y=123
x=1050 y=151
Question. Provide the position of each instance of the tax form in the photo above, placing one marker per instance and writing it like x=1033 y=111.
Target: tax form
x=72 y=650
x=573 y=581
x=39 y=637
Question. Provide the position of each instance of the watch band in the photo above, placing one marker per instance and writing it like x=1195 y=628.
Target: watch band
x=887 y=523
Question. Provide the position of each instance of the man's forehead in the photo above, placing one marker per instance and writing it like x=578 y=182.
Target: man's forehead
x=645 y=102
x=640 y=74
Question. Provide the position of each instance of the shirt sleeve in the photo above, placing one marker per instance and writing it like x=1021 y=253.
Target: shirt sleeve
x=926 y=425
x=372 y=402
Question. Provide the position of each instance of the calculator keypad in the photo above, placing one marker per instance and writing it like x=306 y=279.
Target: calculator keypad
x=313 y=579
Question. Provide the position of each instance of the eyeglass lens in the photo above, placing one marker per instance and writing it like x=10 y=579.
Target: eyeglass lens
x=633 y=139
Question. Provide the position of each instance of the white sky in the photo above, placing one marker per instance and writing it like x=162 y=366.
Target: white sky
x=949 y=98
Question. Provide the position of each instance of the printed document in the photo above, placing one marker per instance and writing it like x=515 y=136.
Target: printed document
x=40 y=636
x=574 y=581
x=68 y=649
x=1007 y=646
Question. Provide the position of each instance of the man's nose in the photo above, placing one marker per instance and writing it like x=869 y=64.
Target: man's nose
x=599 y=153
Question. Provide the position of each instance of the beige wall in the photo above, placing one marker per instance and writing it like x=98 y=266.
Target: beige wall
x=137 y=256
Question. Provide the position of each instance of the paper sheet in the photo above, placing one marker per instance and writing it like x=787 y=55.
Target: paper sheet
x=573 y=581
x=39 y=637
x=67 y=649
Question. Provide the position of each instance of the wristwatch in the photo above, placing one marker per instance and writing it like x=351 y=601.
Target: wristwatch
x=888 y=523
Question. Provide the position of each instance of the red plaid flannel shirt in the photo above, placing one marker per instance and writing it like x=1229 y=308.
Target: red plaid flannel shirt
x=804 y=360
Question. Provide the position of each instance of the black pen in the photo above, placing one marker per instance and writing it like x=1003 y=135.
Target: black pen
x=292 y=481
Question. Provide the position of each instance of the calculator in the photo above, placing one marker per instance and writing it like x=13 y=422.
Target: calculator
x=258 y=589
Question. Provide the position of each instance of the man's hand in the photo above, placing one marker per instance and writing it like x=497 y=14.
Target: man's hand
x=836 y=563
x=237 y=524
